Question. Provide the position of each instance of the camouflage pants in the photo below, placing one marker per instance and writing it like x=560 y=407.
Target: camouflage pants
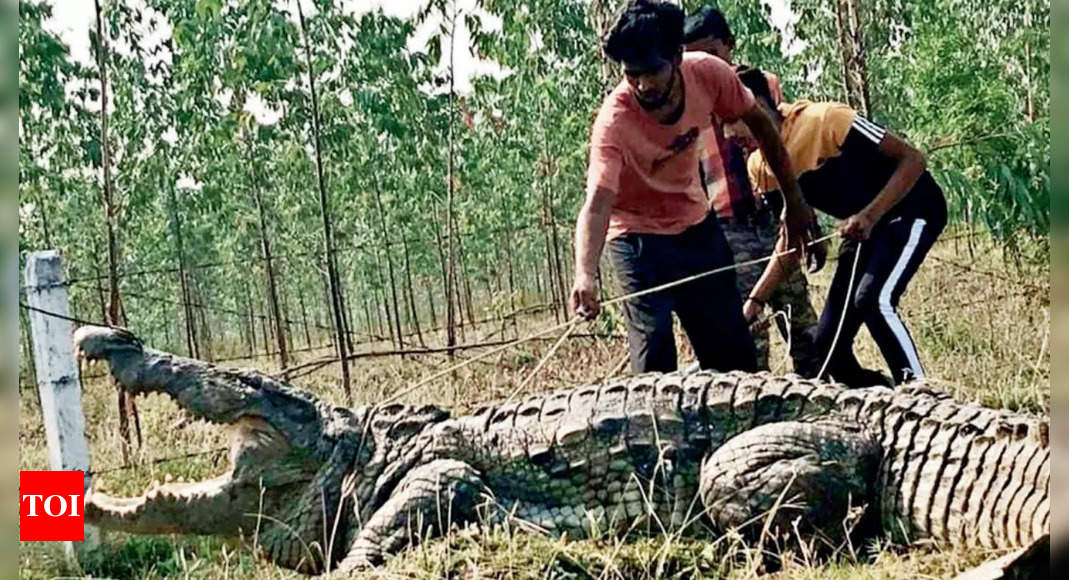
x=750 y=241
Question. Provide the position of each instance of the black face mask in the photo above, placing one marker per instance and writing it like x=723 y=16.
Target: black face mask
x=660 y=100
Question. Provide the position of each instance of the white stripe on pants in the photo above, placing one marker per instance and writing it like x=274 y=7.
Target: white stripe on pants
x=888 y=310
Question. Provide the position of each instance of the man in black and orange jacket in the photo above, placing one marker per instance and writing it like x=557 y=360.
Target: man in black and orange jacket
x=892 y=210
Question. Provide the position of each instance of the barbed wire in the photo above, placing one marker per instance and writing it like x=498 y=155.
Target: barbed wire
x=504 y=344
x=66 y=317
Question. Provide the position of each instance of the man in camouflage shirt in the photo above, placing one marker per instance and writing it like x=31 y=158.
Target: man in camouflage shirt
x=751 y=223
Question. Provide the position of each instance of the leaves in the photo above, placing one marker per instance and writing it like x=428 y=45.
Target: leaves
x=231 y=86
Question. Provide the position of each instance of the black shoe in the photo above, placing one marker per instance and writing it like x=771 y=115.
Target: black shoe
x=862 y=378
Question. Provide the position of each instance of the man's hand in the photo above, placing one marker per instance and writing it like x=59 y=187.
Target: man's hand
x=818 y=252
x=584 y=298
x=857 y=227
x=797 y=227
x=751 y=309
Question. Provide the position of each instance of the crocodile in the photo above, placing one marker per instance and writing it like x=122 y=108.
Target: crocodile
x=325 y=487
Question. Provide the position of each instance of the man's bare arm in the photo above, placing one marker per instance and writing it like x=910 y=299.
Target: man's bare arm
x=908 y=169
x=590 y=230
x=774 y=273
x=797 y=214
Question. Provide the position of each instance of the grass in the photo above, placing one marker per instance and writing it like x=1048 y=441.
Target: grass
x=984 y=334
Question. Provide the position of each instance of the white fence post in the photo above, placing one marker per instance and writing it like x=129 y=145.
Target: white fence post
x=57 y=374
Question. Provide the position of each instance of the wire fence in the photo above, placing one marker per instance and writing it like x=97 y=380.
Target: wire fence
x=494 y=346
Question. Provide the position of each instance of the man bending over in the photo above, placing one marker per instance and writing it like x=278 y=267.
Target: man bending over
x=893 y=211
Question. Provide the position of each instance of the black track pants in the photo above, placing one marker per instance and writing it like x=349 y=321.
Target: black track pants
x=887 y=262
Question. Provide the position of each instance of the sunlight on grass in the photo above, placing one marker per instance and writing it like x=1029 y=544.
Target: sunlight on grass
x=983 y=336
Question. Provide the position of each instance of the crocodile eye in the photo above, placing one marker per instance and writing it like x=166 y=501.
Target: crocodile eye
x=969 y=429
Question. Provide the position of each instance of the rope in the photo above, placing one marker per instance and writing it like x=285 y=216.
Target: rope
x=545 y=358
x=681 y=281
x=471 y=360
x=159 y=460
x=52 y=314
x=616 y=300
x=842 y=319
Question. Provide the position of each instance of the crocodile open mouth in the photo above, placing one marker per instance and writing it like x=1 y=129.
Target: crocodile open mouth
x=266 y=424
x=217 y=505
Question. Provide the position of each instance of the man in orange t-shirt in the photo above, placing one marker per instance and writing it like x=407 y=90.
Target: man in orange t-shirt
x=645 y=197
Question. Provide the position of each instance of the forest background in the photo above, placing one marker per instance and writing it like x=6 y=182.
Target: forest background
x=284 y=184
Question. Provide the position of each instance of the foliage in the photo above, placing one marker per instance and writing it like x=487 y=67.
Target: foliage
x=210 y=103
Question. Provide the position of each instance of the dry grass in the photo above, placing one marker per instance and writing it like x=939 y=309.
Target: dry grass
x=985 y=335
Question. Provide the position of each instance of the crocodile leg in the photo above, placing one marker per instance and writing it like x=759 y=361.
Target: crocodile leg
x=313 y=527
x=426 y=502
x=780 y=476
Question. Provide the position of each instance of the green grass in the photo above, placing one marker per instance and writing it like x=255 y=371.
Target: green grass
x=978 y=334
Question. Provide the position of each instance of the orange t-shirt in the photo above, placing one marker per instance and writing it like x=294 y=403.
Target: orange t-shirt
x=653 y=167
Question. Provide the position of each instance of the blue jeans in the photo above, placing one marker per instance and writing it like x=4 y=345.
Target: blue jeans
x=709 y=308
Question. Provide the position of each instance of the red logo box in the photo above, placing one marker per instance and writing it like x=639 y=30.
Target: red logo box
x=51 y=506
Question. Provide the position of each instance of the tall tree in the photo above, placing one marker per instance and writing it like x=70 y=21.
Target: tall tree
x=324 y=208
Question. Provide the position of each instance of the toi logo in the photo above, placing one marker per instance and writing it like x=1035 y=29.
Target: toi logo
x=51 y=506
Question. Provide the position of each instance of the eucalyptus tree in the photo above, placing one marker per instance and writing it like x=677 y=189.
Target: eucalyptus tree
x=548 y=100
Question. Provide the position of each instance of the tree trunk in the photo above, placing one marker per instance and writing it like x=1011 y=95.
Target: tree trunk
x=304 y=319
x=512 y=292
x=844 y=53
x=28 y=360
x=447 y=286
x=389 y=267
x=265 y=331
x=450 y=313
x=324 y=208
x=539 y=287
x=368 y=326
x=99 y=281
x=269 y=267
x=187 y=310
x=861 y=69
x=127 y=407
x=207 y=346
x=848 y=24
x=459 y=304
x=434 y=311
x=411 y=294
x=561 y=294
x=250 y=320
x=550 y=284
x=347 y=311
x=464 y=276
x=384 y=298
x=350 y=324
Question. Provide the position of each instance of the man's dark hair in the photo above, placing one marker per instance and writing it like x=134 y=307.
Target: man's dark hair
x=708 y=22
x=645 y=31
x=755 y=80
